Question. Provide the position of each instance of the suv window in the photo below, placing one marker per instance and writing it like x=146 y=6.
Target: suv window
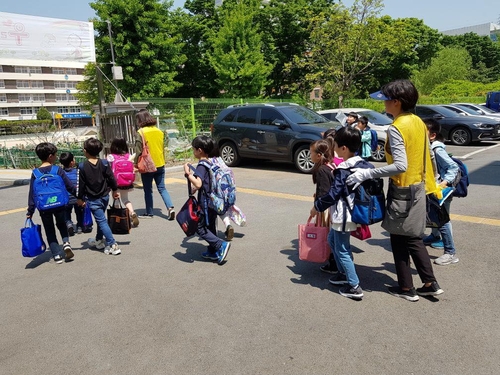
x=230 y=116
x=268 y=116
x=302 y=115
x=247 y=115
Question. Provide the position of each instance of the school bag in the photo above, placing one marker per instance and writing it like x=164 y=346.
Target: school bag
x=462 y=180
x=369 y=202
x=374 y=141
x=72 y=175
x=222 y=194
x=49 y=190
x=123 y=170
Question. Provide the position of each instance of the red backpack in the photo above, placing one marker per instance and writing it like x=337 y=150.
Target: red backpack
x=123 y=169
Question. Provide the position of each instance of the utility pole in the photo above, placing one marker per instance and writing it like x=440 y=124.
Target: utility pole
x=116 y=70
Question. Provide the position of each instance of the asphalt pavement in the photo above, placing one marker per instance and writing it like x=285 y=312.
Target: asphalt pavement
x=159 y=308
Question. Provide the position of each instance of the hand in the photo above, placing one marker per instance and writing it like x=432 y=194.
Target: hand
x=80 y=202
x=116 y=195
x=313 y=212
x=358 y=176
x=186 y=168
x=443 y=184
x=28 y=216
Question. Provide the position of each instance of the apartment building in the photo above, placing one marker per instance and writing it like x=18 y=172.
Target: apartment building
x=41 y=61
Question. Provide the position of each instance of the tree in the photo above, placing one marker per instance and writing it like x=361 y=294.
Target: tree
x=450 y=64
x=146 y=44
x=237 y=56
x=88 y=94
x=43 y=114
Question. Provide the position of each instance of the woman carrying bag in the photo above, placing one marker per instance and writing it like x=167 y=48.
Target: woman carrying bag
x=150 y=140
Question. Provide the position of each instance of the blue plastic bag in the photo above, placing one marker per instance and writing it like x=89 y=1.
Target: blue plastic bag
x=87 y=216
x=31 y=239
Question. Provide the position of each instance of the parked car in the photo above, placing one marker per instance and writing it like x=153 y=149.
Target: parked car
x=377 y=121
x=480 y=109
x=465 y=111
x=460 y=130
x=274 y=131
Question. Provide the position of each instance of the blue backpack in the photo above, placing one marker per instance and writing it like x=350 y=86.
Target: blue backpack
x=49 y=189
x=374 y=141
x=369 y=202
x=462 y=181
x=222 y=194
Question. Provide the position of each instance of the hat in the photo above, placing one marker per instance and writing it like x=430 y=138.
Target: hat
x=353 y=114
x=379 y=96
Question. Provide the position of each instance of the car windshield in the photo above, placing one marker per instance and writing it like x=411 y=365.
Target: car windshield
x=376 y=118
x=301 y=115
x=467 y=109
x=486 y=109
x=445 y=111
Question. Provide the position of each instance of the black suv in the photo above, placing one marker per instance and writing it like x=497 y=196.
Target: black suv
x=274 y=131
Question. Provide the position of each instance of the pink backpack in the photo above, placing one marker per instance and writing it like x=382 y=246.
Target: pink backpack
x=123 y=169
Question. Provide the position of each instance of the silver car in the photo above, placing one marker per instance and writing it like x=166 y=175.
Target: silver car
x=377 y=121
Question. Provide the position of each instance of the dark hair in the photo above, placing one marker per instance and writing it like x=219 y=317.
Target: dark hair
x=93 y=146
x=349 y=137
x=353 y=114
x=434 y=128
x=363 y=120
x=119 y=146
x=404 y=91
x=322 y=148
x=144 y=118
x=204 y=142
x=66 y=158
x=329 y=136
x=44 y=150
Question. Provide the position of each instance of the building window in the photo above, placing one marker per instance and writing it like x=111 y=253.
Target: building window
x=4 y=111
x=1 y=68
x=28 y=69
x=71 y=71
x=22 y=84
x=62 y=109
x=71 y=84
x=65 y=97
x=38 y=97
x=57 y=70
x=29 y=110
x=75 y=109
x=24 y=97
x=37 y=84
x=2 y=84
x=3 y=98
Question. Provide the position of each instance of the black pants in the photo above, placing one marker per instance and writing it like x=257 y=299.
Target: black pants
x=402 y=248
x=50 y=230
x=78 y=213
x=209 y=232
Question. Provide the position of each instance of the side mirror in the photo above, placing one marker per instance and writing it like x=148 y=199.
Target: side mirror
x=280 y=124
x=438 y=116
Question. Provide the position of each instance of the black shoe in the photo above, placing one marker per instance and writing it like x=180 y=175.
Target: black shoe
x=409 y=295
x=338 y=279
x=351 y=292
x=229 y=233
x=330 y=268
x=71 y=230
x=432 y=290
x=145 y=216
x=171 y=214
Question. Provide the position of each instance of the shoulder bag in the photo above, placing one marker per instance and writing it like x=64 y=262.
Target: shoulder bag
x=145 y=163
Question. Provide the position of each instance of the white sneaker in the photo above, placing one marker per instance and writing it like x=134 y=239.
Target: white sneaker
x=98 y=244
x=446 y=259
x=113 y=249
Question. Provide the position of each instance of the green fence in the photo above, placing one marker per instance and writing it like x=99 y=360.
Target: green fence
x=26 y=158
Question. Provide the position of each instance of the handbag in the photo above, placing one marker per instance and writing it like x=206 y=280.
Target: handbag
x=118 y=218
x=31 y=239
x=145 y=163
x=362 y=232
x=189 y=215
x=437 y=215
x=87 y=216
x=313 y=241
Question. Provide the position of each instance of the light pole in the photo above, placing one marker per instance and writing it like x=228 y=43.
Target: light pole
x=116 y=70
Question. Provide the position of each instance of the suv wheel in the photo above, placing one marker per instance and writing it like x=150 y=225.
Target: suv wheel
x=379 y=155
x=460 y=136
x=302 y=159
x=229 y=154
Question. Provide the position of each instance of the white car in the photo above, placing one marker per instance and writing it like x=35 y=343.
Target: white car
x=377 y=121
x=480 y=109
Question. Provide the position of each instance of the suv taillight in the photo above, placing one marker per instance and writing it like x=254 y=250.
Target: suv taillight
x=212 y=128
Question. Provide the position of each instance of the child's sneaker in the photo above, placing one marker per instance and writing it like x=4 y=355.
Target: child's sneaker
x=87 y=229
x=135 y=220
x=98 y=244
x=71 y=230
x=352 y=292
x=229 y=232
x=446 y=259
x=432 y=290
x=68 y=250
x=58 y=259
x=338 y=279
x=330 y=268
x=79 y=230
x=112 y=250
x=209 y=255
x=222 y=252
x=171 y=214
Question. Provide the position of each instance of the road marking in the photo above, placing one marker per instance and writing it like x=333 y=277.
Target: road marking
x=302 y=198
x=478 y=151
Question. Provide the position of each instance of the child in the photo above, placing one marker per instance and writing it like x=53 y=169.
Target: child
x=203 y=146
x=351 y=119
x=119 y=152
x=68 y=161
x=347 y=142
x=447 y=171
x=96 y=179
x=366 y=138
x=322 y=176
x=329 y=136
x=47 y=153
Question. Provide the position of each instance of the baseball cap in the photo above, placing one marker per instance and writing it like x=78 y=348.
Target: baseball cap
x=379 y=96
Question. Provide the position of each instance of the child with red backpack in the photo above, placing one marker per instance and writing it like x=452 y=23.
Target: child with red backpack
x=122 y=166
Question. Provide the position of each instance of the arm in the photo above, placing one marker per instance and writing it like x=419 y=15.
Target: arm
x=31 y=199
x=336 y=191
x=324 y=180
x=196 y=182
x=366 y=136
x=446 y=163
x=138 y=147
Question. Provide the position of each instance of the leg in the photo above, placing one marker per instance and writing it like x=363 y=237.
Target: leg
x=126 y=201
x=207 y=232
x=159 y=177
x=147 y=184
x=50 y=232
x=98 y=207
x=401 y=256
x=331 y=242
x=79 y=216
x=421 y=259
x=63 y=230
x=344 y=254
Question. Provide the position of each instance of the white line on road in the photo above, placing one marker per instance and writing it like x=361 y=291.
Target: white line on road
x=477 y=152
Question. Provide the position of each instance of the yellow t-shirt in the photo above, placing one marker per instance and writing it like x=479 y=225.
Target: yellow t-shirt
x=154 y=138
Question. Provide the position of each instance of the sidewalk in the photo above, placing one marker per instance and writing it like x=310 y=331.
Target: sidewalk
x=18 y=177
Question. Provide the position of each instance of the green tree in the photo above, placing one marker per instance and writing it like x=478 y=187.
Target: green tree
x=237 y=56
x=146 y=44
x=449 y=64
x=43 y=114
x=88 y=94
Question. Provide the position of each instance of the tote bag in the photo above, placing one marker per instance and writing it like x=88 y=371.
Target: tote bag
x=362 y=232
x=189 y=215
x=31 y=240
x=118 y=218
x=145 y=163
x=313 y=241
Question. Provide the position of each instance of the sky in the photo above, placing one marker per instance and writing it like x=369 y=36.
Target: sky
x=438 y=14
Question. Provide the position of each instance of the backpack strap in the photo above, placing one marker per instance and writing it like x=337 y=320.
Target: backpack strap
x=54 y=169
x=37 y=173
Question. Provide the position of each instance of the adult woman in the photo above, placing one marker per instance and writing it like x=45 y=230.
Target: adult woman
x=154 y=139
x=411 y=174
